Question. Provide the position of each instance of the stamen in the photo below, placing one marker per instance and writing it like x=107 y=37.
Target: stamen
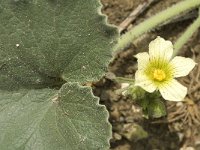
x=159 y=75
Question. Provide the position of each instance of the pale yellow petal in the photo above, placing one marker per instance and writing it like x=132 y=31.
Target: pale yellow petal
x=142 y=59
x=160 y=49
x=182 y=66
x=173 y=91
x=142 y=80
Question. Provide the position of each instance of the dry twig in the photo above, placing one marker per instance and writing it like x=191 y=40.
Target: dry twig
x=143 y=7
x=134 y=14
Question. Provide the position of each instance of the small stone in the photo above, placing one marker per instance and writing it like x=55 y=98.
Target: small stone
x=135 y=109
x=114 y=97
x=187 y=148
x=133 y=131
x=129 y=119
x=123 y=147
x=121 y=119
x=115 y=113
x=124 y=85
x=104 y=95
x=117 y=136
x=178 y=104
x=181 y=136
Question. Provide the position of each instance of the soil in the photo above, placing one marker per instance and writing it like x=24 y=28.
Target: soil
x=131 y=130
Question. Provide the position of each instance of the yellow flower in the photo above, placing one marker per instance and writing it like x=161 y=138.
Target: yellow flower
x=157 y=70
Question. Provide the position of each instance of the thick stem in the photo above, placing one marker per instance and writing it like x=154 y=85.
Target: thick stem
x=186 y=35
x=155 y=20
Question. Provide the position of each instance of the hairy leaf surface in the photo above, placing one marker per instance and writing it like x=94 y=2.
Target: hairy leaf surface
x=48 y=48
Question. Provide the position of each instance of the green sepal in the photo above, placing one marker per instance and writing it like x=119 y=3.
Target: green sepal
x=151 y=103
x=156 y=108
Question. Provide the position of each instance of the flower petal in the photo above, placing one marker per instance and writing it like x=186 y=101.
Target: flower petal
x=142 y=80
x=160 y=48
x=173 y=91
x=182 y=66
x=142 y=59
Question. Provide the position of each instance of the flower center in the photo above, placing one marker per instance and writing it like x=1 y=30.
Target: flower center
x=159 y=75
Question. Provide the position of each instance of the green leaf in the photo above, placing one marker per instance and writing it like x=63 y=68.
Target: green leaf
x=43 y=45
x=46 y=40
x=43 y=119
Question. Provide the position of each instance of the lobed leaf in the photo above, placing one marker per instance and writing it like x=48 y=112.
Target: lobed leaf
x=44 y=120
x=43 y=45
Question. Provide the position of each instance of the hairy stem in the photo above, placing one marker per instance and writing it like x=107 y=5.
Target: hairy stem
x=126 y=80
x=186 y=35
x=155 y=20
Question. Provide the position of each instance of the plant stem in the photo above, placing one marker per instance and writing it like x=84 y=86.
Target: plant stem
x=186 y=35
x=126 y=80
x=155 y=20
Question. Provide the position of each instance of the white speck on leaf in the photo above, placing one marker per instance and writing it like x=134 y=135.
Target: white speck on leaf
x=17 y=45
